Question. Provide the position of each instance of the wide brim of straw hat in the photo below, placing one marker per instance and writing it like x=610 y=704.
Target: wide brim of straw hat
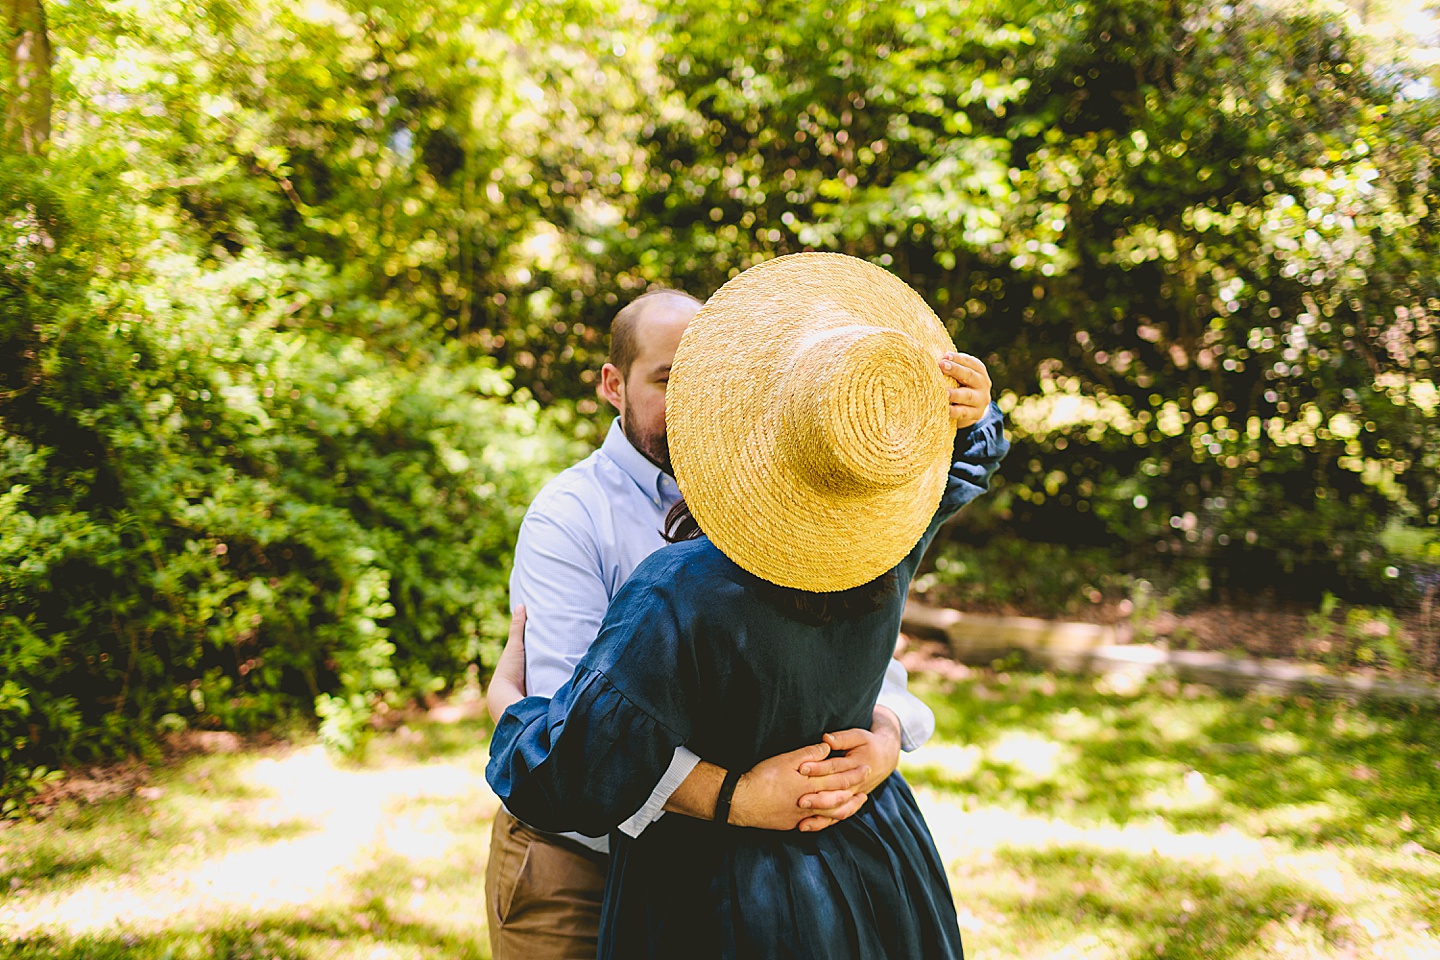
x=808 y=420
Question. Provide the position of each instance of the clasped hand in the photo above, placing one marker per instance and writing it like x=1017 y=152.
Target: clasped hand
x=807 y=789
x=817 y=786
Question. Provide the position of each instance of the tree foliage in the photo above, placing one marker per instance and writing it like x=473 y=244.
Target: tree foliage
x=236 y=481
x=25 y=76
x=304 y=300
x=1195 y=245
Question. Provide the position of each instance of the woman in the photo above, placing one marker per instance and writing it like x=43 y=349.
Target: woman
x=813 y=430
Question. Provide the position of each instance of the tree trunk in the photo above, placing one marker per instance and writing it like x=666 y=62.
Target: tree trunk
x=27 y=84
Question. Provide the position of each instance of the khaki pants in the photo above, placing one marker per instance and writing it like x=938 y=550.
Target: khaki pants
x=542 y=896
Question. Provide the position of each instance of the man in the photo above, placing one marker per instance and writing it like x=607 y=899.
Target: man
x=580 y=540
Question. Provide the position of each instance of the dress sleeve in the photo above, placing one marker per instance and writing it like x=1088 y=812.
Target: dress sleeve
x=978 y=451
x=588 y=758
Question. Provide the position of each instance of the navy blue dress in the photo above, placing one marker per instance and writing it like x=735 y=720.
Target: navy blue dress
x=691 y=652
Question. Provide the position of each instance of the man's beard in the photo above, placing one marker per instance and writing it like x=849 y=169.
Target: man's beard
x=654 y=447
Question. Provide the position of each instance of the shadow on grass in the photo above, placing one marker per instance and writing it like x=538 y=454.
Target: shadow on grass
x=86 y=841
x=1161 y=908
x=1313 y=771
x=397 y=909
x=263 y=939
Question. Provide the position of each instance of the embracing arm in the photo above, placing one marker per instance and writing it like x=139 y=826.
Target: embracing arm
x=583 y=760
x=587 y=758
x=559 y=587
x=587 y=740
x=773 y=795
x=980 y=445
x=980 y=442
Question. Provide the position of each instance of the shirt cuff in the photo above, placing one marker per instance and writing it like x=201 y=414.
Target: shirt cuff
x=917 y=721
x=680 y=766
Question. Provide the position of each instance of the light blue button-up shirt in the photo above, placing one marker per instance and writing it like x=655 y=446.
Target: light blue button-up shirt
x=583 y=535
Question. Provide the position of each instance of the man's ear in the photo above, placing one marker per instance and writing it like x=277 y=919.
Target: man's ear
x=612 y=386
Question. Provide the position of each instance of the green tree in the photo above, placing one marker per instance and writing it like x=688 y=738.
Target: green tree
x=26 y=81
x=1194 y=244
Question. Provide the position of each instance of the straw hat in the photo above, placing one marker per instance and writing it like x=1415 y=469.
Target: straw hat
x=808 y=420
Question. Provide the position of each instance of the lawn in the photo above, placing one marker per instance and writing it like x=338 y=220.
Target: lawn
x=1078 y=818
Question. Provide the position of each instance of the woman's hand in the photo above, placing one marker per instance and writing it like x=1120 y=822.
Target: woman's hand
x=508 y=683
x=876 y=749
x=769 y=795
x=971 y=394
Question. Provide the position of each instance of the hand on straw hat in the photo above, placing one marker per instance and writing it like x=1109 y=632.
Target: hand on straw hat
x=971 y=395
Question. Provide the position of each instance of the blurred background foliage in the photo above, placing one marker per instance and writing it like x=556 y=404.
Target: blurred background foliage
x=300 y=303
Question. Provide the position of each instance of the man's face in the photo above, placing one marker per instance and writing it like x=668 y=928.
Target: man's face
x=640 y=397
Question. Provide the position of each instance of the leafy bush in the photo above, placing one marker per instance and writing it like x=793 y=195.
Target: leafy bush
x=215 y=511
x=1009 y=575
x=1365 y=636
x=1195 y=243
x=274 y=307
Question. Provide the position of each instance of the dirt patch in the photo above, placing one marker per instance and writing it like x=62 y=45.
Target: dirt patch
x=92 y=785
x=1377 y=643
x=131 y=776
x=1343 y=639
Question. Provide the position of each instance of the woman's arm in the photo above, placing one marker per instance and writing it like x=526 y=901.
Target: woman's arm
x=583 y=760
x=588 y=758
x=980 y=445
x=768 y=796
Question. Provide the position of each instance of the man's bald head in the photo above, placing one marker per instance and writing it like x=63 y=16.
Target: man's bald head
x=643 y=341
x=627 y=331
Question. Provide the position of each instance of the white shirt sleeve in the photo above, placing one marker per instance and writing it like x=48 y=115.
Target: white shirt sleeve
x=557 y=577
x=917 y=721
x=680 y=768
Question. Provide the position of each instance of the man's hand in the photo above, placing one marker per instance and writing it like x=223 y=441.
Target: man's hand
x=971 y=395
x=769 y=794
x=876 y=749
x=507 y=685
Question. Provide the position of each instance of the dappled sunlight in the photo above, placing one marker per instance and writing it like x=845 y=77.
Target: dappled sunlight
x=1017 y=871
x=942 y=762
x=1032 y=755
x=1315 y=771
x=1073 y=823
x=1077 y=820
x=344 y=816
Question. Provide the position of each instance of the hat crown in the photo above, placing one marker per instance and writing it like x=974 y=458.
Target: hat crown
x=855 y=415
x=788 y=400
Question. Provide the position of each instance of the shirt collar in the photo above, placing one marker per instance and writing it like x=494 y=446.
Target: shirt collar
x=655 y=483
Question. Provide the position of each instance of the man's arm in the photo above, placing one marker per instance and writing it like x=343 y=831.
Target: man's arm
x=773 y=795
x=558 y=578
x=507 y=683
x=558 y=583
x=916 y=721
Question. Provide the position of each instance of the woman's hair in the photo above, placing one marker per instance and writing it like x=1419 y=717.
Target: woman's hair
x=813 y=609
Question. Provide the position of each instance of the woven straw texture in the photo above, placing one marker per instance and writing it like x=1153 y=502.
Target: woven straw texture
x=808 y=420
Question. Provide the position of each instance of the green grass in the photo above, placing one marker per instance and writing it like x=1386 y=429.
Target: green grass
x=1077 y=818
x=1101 y=819
x=1312 y=771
